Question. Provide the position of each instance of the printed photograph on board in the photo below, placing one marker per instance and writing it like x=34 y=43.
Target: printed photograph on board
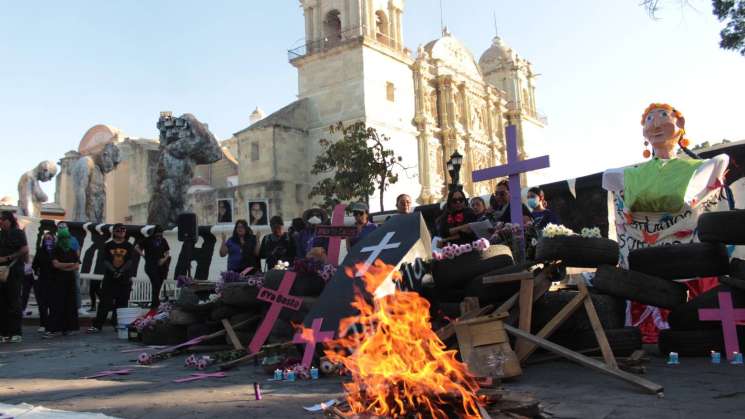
x=224 y=210
x=258 y=212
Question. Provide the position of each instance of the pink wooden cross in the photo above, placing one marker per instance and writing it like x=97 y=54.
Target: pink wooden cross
x=311 y=337
x=512 y=169
x=279 y=299
x=200 y=376
x=337 y=220
x=728 y=316
x=109 y=373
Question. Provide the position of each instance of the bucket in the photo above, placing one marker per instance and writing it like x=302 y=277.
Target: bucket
x=125 y=316
x=122 y=332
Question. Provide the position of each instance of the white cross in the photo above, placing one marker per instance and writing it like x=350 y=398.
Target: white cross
x=376 y=250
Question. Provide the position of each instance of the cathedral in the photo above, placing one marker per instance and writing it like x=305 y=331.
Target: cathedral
x=352 y=66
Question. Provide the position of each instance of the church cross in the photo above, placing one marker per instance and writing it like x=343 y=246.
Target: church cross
x=279 y=299
x=512 y=169
x=729 y=317
x=312 y=337
x=376 y=250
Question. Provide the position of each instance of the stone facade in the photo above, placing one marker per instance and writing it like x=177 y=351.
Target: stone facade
x=352 y=66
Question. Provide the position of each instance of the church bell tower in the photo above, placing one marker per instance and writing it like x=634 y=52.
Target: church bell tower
x=353 y=66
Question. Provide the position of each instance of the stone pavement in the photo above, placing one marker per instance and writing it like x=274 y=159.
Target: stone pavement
x=48 y=373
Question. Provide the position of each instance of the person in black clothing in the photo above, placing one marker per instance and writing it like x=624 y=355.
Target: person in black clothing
x=155 y=250
x=542 y=216
x=456 y=213
x=42 y=266
x=63 y=306
x=500 y=204
x=116 y=284
x=278 y=245
x=13 y=252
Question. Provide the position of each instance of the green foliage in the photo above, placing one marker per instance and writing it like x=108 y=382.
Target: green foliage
x=359 y=163
x=730 y=12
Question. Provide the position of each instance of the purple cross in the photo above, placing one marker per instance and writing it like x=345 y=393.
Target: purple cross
x=109 y=373
x=312 y=337
x=513 y=169
x=728 y=316
x=279 y=299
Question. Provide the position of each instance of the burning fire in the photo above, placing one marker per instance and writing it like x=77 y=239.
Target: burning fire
x=399 y=366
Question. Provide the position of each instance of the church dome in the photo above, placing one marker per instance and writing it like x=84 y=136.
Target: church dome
x=496 y=55
x=454 y=54
x=256 y=116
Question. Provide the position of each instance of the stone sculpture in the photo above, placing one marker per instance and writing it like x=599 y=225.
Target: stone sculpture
x=30 y=194
x=88 y=175
x=184 y=143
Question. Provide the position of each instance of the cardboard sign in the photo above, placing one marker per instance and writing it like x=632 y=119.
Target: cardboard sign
x=402 y=239
x=287 y=301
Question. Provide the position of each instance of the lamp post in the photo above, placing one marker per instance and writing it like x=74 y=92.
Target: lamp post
x=454 y=164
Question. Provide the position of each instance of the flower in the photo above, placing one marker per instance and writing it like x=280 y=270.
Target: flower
x=144 y=359
x=591 y=232
x=555 y=230
x=282 y=265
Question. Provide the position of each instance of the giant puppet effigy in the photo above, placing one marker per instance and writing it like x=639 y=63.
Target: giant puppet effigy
x=658 y=203
x=184 y=143
x=89 y=175
x=30 y=194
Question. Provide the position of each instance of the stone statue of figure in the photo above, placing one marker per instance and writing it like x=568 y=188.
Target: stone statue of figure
x=184 y=143
x=88 y=176
x=30 y=194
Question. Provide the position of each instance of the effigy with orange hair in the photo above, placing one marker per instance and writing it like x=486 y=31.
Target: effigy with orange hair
x=658 y=202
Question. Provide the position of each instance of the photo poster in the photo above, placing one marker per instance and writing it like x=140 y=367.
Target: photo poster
x=258 y=212
x=225 y=211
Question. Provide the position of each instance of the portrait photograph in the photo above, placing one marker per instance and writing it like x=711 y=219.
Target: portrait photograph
x=258 y=212
x=224 y=210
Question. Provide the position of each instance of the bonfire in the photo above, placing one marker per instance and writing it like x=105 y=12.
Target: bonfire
x=399 y=367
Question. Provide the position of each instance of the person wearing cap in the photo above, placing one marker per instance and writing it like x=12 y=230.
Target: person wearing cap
x=277 y=245
x=13 y=252
x=361 y=215
x=155 y=250
x=116 y=286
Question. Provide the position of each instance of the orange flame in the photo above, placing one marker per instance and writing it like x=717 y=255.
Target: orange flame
x=399 y=366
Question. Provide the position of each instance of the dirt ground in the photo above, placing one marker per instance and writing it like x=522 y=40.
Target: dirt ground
x=48 y=373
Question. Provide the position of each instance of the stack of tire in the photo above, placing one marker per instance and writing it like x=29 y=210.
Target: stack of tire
x=687 y=334
x=462 y=276
x=194 y=315
x=576 y=333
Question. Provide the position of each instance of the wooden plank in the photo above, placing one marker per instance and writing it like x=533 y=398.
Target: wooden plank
x=469 y=304
x=586 y=361
x=526 y=312
x=231 y=335
x=554 y=324
x=447 y=331
x=597 y=327
x=501 y=279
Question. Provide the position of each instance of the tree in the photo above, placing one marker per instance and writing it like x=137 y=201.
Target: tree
x=730 y=12
x=359 y=162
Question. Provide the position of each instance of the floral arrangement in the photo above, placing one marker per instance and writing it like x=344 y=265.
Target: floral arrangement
x=229 y=277
x=282 y=265
x=198 y=362
x=591 y=232
x=555 y=230
x=312 y=266
x=327 y=272
x=452 y=251
x=149 y=359
x=149 y=320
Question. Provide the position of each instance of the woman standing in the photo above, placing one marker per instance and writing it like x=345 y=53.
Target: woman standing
x=42 y=266
x=64 y=311
x=241 y=249
x=155 y=250
x=13 y=251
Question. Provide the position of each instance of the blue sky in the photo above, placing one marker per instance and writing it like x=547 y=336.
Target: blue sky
x=66 y=66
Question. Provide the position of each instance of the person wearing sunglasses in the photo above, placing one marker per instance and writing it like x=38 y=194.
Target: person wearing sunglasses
x=500 y=204
x=456 y=213
x=361 y=215
x=116 y=286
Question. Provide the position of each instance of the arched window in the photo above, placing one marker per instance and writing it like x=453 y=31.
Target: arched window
x=381 y=27
x=332 y=27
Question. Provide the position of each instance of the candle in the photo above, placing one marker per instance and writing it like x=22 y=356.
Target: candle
x=257 y=391
x=737 y=358
x=673 y=359
x=716 y=357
